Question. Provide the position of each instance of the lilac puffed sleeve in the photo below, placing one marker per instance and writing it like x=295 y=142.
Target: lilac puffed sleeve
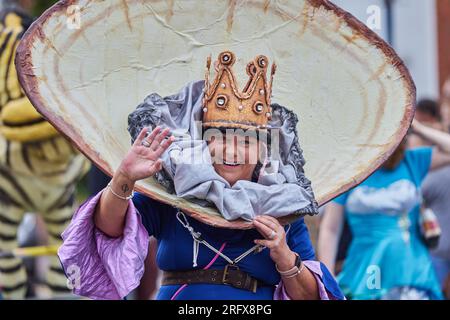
x=99 y=266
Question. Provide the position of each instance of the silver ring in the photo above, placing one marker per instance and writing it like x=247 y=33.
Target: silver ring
x=272 y=234
x=145 y=143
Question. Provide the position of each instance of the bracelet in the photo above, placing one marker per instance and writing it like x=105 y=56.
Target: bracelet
x=296 y=273
x=118 y=195
x=295 y=270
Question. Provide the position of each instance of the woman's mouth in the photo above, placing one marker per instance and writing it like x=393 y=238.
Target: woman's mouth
x=230 y=164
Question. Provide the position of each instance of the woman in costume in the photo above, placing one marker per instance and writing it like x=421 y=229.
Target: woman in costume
x=388 y=257
x=106 y=243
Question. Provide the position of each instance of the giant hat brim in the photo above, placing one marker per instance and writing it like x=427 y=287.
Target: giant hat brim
x=353 y=95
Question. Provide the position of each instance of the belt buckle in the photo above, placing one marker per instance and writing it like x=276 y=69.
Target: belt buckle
x=225 y=272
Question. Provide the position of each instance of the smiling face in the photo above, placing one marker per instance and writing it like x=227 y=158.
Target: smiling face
x=234 y=156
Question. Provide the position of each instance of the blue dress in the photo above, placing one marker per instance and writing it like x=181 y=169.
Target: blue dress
x=175 y=252
x=387 y=250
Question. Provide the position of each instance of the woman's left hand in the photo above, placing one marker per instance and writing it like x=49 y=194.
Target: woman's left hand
x=302 y=286
x=275 y=240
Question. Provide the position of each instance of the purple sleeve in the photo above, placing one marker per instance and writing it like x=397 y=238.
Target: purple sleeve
x=313 y=266
x=98 y=266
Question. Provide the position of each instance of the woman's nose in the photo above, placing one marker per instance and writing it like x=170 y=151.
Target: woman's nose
x=229 y=151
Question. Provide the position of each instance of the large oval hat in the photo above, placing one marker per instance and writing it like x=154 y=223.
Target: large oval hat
x=86 y=64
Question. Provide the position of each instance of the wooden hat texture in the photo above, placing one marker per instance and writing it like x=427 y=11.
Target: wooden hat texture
x=86 y=64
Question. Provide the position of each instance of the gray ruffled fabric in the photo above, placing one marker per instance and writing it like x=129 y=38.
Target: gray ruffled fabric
x=280 y=189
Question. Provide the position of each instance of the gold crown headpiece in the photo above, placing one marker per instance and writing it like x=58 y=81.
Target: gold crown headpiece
x=225 y=106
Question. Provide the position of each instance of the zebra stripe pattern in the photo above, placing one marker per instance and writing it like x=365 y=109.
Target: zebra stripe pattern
x=38 y=172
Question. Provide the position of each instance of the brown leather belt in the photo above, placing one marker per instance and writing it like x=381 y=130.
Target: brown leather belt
x=231 y=275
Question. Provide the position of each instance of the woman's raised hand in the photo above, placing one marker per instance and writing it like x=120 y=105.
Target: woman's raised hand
x=143 y=158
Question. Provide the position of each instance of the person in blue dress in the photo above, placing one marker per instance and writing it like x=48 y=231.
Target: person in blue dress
x=106 y=243
x=387 y=258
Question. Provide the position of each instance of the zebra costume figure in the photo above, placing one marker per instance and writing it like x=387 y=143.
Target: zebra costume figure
x=39 y=169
